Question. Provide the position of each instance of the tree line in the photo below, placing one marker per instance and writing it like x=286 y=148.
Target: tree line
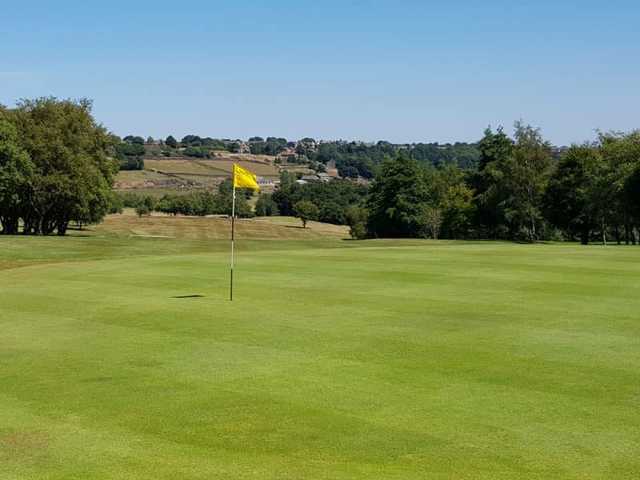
x=57 y=166
x=196 y=203
x=519 y=191
x=519 y=188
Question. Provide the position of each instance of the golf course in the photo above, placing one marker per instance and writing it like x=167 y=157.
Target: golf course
x=121 y=357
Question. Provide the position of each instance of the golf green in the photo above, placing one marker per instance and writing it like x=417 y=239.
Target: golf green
x=124 y=359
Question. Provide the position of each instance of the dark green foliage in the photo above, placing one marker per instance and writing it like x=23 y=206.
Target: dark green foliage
x=134 y=140
x=569 y=199
x=270 y=146
x=266 y=206
x=57 y=169
x=356 y=159
x=143 y=210
x=463 y=155
x=592 y=193
x=171 y=142
x=356 y=218
x=397 y=196
x=130 y=155
x=495 y=151
x=205 y=203
x=16 y=170
x=511 y=182
x=116 y=203
x=332 y=198
x=632 y=194
x=197 y=152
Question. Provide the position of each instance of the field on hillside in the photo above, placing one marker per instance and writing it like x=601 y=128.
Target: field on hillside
x=121 y=357
x=214 y=167
x=174 y=175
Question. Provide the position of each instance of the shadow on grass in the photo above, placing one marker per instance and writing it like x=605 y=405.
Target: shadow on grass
x=182 y=297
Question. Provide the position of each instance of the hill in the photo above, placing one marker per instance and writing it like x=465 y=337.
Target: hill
x=178 y=174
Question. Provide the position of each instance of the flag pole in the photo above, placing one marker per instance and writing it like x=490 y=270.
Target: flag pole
x=233 y=237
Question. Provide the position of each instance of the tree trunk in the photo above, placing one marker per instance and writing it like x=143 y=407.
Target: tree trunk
x=62 y=228
x=627 y=238
x=584 y=236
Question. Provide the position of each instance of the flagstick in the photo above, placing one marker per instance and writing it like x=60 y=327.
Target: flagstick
x=233 y=239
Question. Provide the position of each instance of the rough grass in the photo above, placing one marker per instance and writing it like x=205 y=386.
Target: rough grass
x=120 y=357
x=217 y=227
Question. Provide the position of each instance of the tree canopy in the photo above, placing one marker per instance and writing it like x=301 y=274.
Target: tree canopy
x=58 y=166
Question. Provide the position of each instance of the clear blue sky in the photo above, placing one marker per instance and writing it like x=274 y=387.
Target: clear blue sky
x=359 y=69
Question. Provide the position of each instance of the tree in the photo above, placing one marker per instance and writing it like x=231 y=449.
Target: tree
x=526 y=175
x=171 y=142
x=396 y=198
x=356 y=218
x=133 y=139
x=305 y=211
x=495 y=151
x=16 y=172
x=73 y=166
x=143 y=210
x=431 y=218
x=632 y=197
x=511 y=180
x=266 y=206
x=451 y=199
x=573 y=202
x=224 y=200
x=621 y=153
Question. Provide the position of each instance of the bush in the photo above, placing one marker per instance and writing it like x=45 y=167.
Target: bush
x=142 y=210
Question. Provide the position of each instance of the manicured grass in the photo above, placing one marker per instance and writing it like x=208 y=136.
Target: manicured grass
x=338 y=360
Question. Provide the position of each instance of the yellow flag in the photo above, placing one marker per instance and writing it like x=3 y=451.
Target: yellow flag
x=244 y=178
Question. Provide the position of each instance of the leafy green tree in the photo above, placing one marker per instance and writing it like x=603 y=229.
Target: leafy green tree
x=431 y=221
x=572 y=200
x=133 y=139
x=129 y=155
x=266 y=206
x=621 y=153
x=306 y=211
x=396 y=200
x=451 y=198
x=171 y=142
x=116 y=204
x=224 y=200
x=356 y=217
x=72 y=163
x=16 y=172
x=632 y=199
x=495 y=151
x=143 y=210
x=526 y=175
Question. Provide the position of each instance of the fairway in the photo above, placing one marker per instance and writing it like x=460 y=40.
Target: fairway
x=121 y=358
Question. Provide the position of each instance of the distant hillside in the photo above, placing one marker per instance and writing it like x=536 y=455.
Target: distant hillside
x=180 y=173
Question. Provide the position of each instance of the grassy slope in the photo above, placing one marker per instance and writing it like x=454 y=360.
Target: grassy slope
x=218 y=228
x=339 y=360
